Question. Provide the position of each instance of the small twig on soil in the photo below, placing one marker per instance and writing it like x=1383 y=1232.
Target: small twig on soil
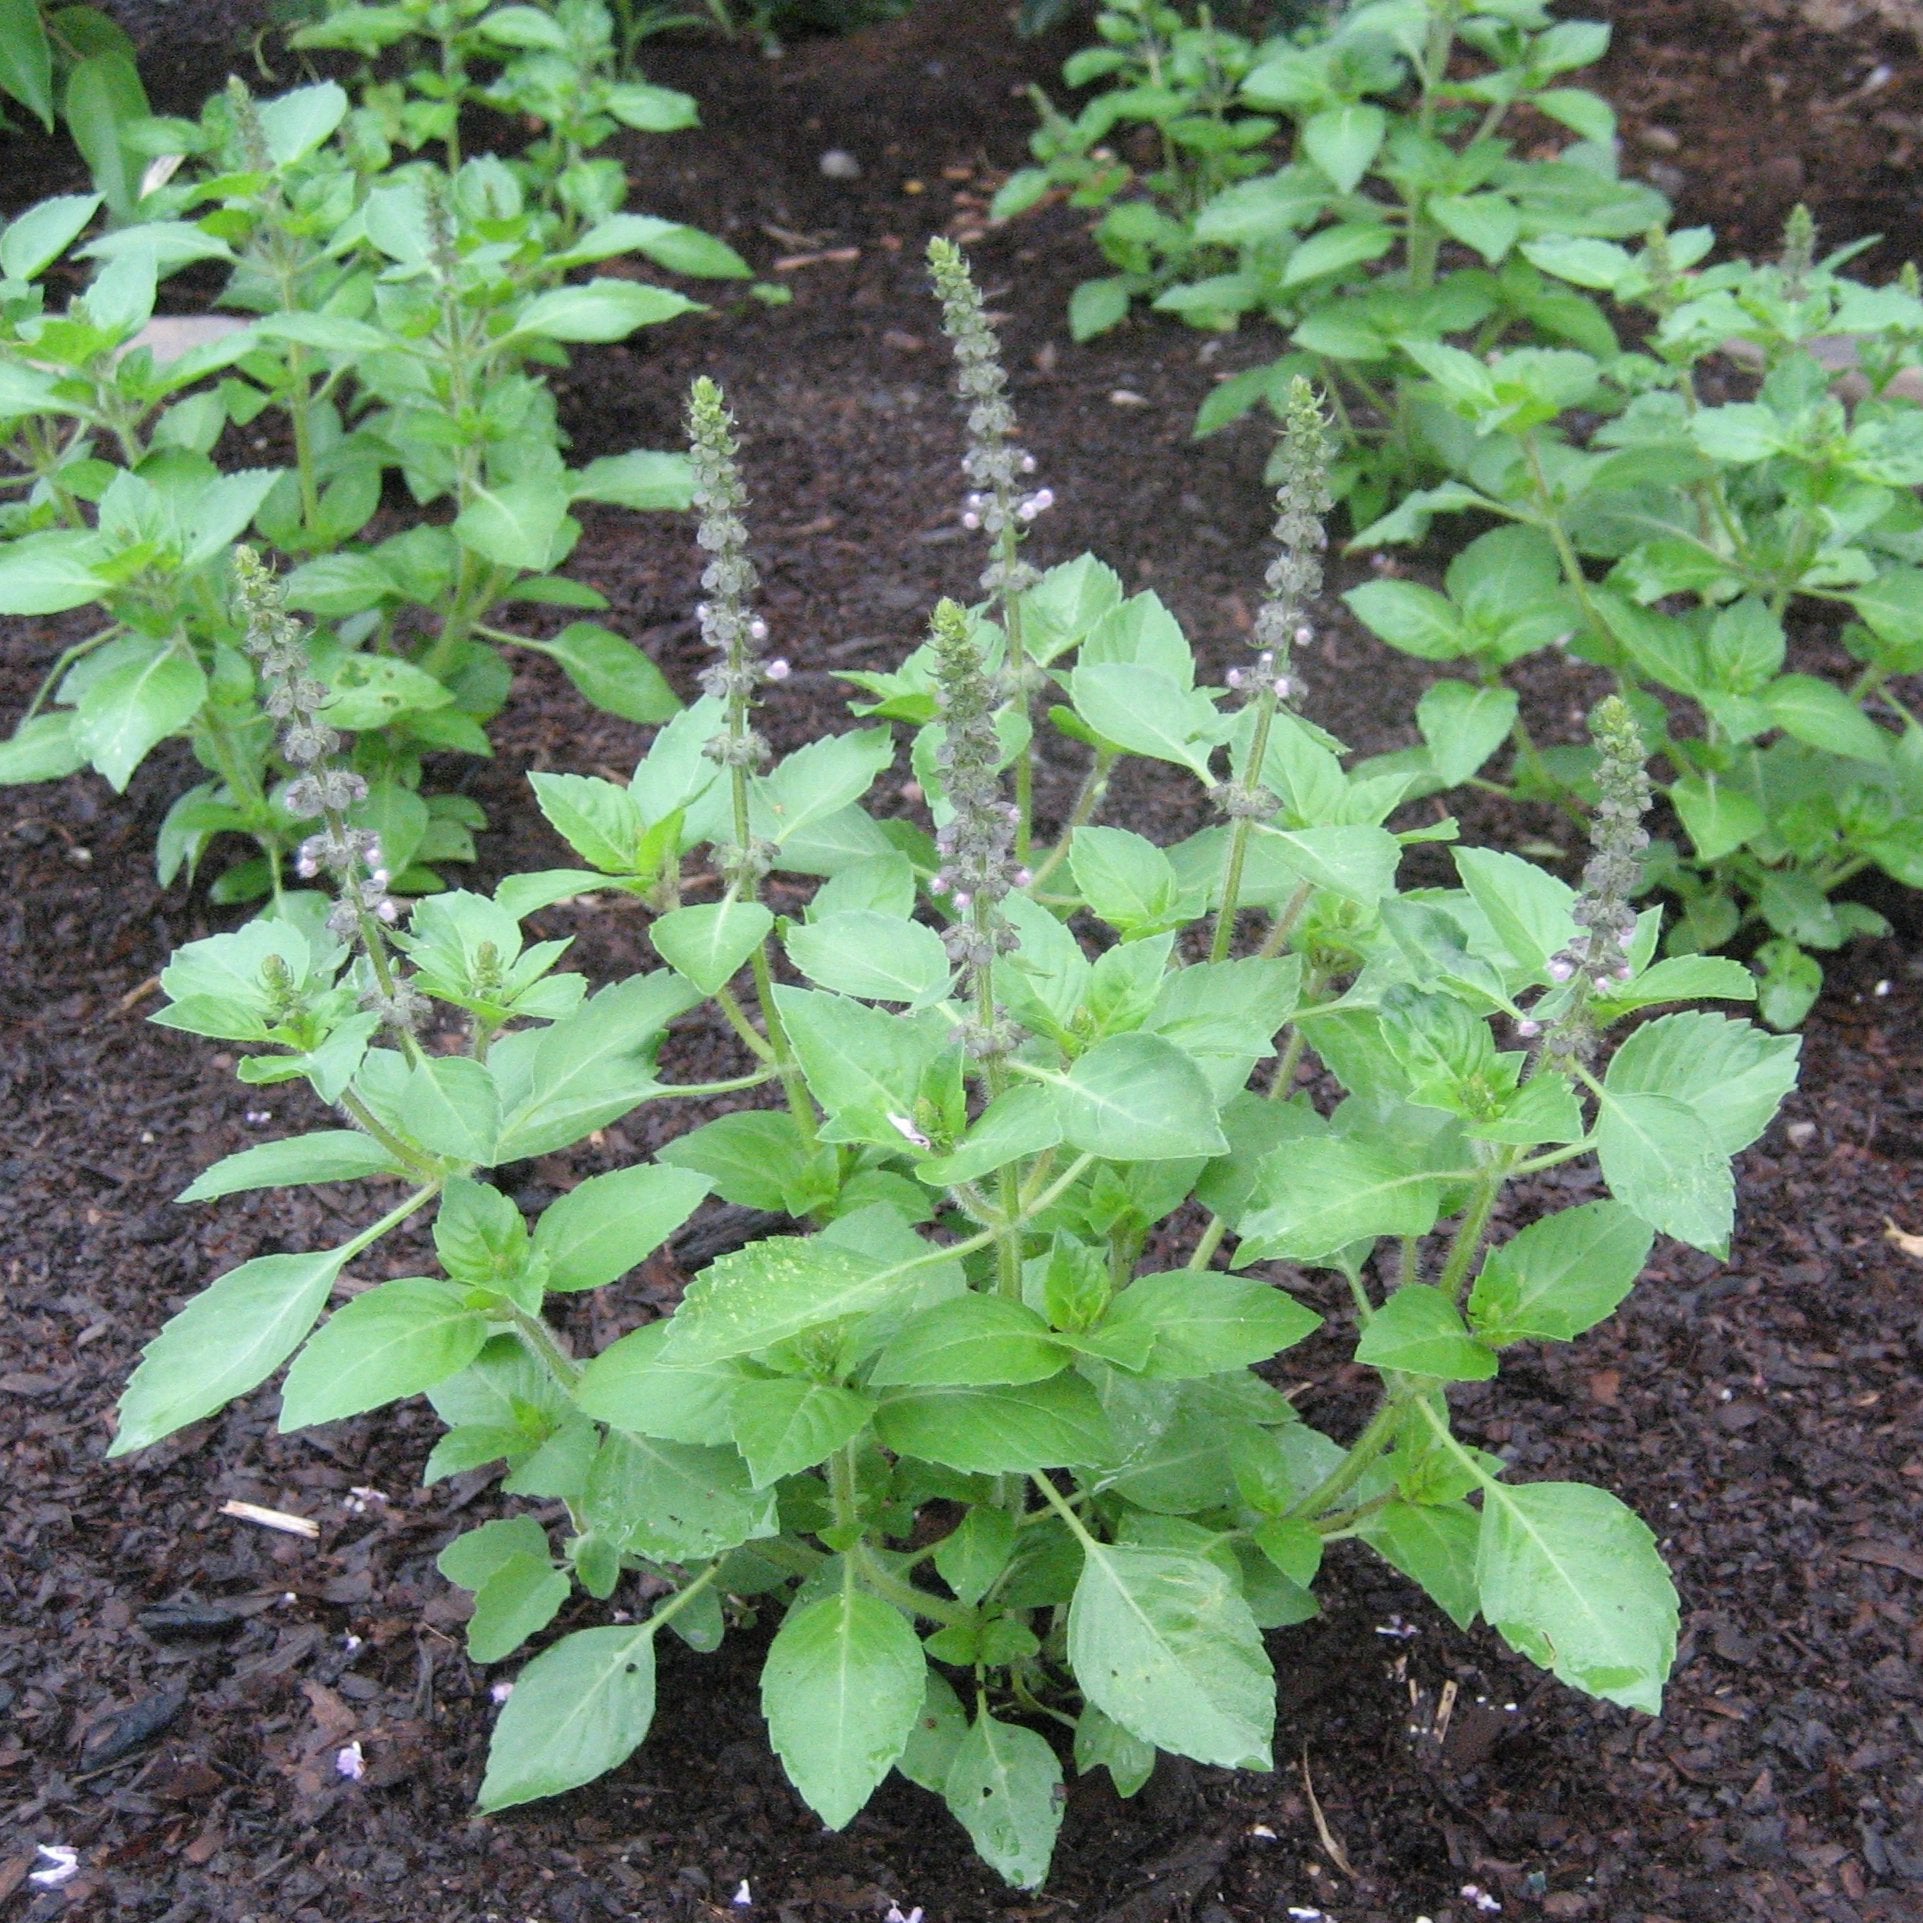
x=272 y=1519
x=1337 y=1855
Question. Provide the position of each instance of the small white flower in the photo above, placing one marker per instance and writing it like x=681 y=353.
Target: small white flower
x=971 y=520
x=63 y=1865
x=350 y=1763
x=757 y=629
x=1561 y=969
x=777 y=669
x=908 y=1131
x=1528 y=1030
x=259 y=1117
x=500 y=1692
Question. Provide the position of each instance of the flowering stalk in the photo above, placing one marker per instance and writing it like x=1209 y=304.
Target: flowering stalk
x=999 y=503
x=1598 y=959
x=730 y=626
x=1294 y=578
x=979 y=865
x=323 y=791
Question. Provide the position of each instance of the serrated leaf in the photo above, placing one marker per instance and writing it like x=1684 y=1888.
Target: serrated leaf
x=1419 y=1331
x=326 y=1155
x=708 y=945
x=229 y=1339
x=1204 y=1323
x=842 y=1687
x=1571 y=1579
x=787 y=1424
x=1004 y=1788
x=1058 y=1423
x=1139 y=1098
x=1660 y=1159
x=578 y=1710
x=1164 y=1644
x=970 y=1339
x=394 y=1340
x=755 y=1297
x=1561 y=1275
x=602 y=1228
x=1732 y=1073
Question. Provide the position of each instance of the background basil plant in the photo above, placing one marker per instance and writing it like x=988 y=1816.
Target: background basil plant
x=1674 y=535
x=984 y=1429
x=392 y=323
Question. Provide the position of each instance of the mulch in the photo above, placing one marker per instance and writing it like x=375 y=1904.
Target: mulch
x=175 y=1683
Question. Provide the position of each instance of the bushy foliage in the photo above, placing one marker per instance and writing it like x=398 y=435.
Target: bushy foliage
x=985 y=1428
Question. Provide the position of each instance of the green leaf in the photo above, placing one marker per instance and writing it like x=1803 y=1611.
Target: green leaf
x=708 y=945
x=1205 y=1323
x=652 y=110
x=863 y=1065
x=1463 y=726
x=598 y=820
x=646 y=481
x=1790 y=982
x=1004 y=1788
x=1164 y=1644
x=878 y=957
x=395 y=1340
x=1102 y=1743
x=1022 y=1121
x=26 y=61
x=613 y=673
x=1352 y=860
x=1824 y=716
x=1097 y=305
x=601 y=1229
x=229 y=1339
x=970 y=1339
x=632 y=1386
x=819 y=781
x=578 y=1710
x=1730 y=1071
x=1719 y=817
x=32 y=241
x=1419 y=1331
x=1343 y=140
x=1528 y=908
x=937 y=1735
x=472 y=1557
x=841 y=1689
x=973 y=1556
x=520 y=1597
x=600 y=310
x=151 y=692
x=518 y=524
x=673 y=1501
x=42 y=749
x=1317 y=1195
x=104 y=99
x=787 y=1424
x=755 y=1297
x=1433 y=1544
x=1661 y=1160
x=1559 y=1276
x=1571 y=1579
x=327 y=1155
x=1683 y=978
x=1488 y=222
x=1143 y=711
x=1336 y=249
x=993 y=1431
x=1139 y=1098
x=449 y=1106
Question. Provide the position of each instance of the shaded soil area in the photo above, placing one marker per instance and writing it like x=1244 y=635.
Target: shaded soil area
x=175 y=1683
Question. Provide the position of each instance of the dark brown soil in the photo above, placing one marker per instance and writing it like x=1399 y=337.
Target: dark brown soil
x=1763 y=1415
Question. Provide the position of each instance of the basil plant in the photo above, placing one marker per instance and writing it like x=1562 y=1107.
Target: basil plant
x=1077 y=1137
x=394 y=326
x=1676 y=536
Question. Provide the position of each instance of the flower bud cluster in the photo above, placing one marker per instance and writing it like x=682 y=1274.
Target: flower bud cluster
x=1598 y=959
x=999 y=503
x=1799 y=251
x=1302 y=498
x=250 y=136
x=350 y=857
x=729 y=624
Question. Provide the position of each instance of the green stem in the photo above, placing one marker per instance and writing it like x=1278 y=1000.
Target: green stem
x=1239 y=834
x=1371 y=1443
x=544 y=1345
x=724 y=999
x=730 y=1087
x=681 y=1598
x=876 y=1575
x=1094 y=787
x=1474 y=1225
x=365 y=1118
x=1211 y=1240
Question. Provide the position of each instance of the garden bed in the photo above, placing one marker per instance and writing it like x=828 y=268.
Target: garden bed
x=1763 y=1415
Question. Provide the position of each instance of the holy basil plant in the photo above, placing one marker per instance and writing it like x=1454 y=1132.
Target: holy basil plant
x=990 y=1429
x=396 y=324
x=1671 y=514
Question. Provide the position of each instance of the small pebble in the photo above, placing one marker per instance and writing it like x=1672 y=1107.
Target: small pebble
x=839 y=164
x=1800 y=1134
x=63 y=1865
